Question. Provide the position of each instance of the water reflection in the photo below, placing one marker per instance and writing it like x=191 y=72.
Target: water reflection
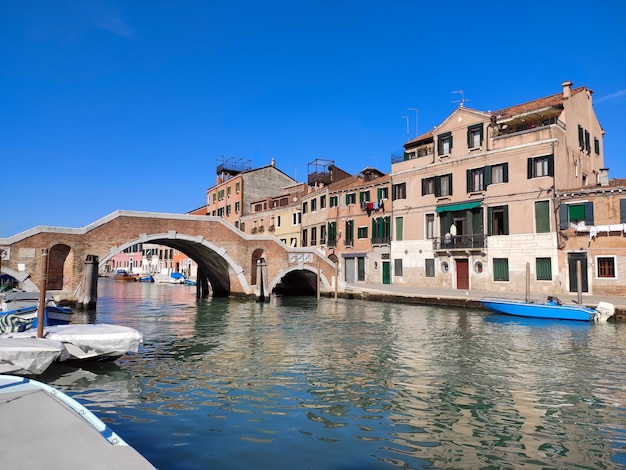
x=298 y=383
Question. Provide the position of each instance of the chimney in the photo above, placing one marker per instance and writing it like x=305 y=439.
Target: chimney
x=273 y=162
x=567 y=89
x=604 y=176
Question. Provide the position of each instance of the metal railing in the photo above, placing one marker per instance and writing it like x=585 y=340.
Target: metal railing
x=460 y=242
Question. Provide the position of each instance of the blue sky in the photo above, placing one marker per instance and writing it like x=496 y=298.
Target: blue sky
x=111 y=105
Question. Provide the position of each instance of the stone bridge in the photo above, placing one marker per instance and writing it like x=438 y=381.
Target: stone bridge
x=226 y=257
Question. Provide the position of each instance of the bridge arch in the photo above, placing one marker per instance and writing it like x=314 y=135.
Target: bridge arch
x=213 y=261
x=298 y=279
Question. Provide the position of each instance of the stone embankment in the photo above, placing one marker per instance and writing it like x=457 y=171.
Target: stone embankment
x=463 y=298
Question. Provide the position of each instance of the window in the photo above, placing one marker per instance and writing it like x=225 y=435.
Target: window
x=220 y=212
x=499 y=174
x=296 y=218
x=237 y=186
x=322 y=234
x=606 y=266
x=581 y=137
x=428 y=186
x=541 y=166
x=278 y=221
x=587 y=142
x=500 y=269
x=443 y=185
x=399 y=228
x=498 y=220
x=398 y=191
x=220 y=194
x=334 y=201
x=228 y=210
x=237 y=207
x=364 y=196
x=475 y=136
x=475 y=180
x=383 y=193
x=313 y=236
x=313 y=205
x=444 y=144
x=349 y=235
x=304 y=237
x=543 y=269
x=596 y=145
x=332 y=234
x=381 y=230
x=622 y=211
x=228 y=191
x=575 y=214
x=362 y=232
x=397 y=267
x=322 y=202
x=305 y=207
x=429 y=267
x=430 y=226
x=542 y=216
x=350 y=198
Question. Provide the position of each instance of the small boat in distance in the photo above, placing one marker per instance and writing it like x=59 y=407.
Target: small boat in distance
x=552 y=309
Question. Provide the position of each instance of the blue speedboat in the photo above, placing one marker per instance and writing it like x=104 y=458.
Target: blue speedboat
x=550 y=309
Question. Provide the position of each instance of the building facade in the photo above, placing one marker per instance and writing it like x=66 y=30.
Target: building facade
x=473 y=199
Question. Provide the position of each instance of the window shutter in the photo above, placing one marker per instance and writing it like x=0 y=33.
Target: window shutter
x=563 y=217
x=486 y=176
x=423 y=186
x=551 y=165
x=530 y=168
x=506 y=219
x=437 y=187
x=505 y=172
x=489 y=224
x=581 y=137
x=469 y=137
x=622 y=211
x=450 y=175
x=450 y=143
x=439 y=146
x=468 y=176
x=589 y=213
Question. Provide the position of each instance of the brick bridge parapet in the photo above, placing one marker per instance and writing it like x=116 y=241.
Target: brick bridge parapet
x=226 y=255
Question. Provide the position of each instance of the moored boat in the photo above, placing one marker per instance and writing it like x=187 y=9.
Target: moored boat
x=49 y=429
x=552 y=309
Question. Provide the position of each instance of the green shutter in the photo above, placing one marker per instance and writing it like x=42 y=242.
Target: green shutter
x=543 y=268
x=542 y=217
x=399 y=228
x=505 y=210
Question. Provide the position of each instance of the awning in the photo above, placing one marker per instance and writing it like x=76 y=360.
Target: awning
x=458 y=207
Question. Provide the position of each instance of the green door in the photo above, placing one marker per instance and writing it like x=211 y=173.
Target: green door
x=386 y=272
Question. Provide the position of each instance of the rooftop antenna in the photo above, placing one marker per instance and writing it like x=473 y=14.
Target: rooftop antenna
x=407 y=127
x=462 y=100
x=416 y=116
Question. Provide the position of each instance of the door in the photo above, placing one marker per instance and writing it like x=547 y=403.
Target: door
x=572 y=259
x=350 y=277
x=386 y=272
x=462 y=274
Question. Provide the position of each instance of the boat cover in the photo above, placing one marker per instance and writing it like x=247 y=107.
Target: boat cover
x=29 y=355
x=100 y=341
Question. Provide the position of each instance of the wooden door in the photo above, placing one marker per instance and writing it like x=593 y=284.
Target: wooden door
x=462 y=274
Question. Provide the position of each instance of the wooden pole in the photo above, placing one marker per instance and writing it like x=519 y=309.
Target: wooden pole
x=318 y=279
x=579 y=281
x=527 y=282
x=42 y=292
x=336 y=277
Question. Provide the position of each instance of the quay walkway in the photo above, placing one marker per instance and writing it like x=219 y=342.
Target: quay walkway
x=465 y=298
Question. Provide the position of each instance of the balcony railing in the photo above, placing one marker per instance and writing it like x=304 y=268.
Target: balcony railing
x=381 y=240
x=460 y=242
x=348 y=242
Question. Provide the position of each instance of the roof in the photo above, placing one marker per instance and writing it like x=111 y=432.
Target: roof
x=546 y=102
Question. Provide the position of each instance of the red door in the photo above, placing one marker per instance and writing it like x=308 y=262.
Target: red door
x=462 y=274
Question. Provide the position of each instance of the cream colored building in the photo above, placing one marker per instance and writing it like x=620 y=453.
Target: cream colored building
x=475 y=196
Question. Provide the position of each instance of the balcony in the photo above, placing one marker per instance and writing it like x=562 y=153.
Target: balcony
x=469 y=242
x=381 y=240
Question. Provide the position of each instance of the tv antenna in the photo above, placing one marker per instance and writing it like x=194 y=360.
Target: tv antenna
x=462 y=100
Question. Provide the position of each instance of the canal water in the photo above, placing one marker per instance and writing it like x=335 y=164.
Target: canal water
x=304 y=384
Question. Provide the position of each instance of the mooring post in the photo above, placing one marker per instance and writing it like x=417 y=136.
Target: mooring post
x=43 y=284
x=579 y=281
x=90 y=287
